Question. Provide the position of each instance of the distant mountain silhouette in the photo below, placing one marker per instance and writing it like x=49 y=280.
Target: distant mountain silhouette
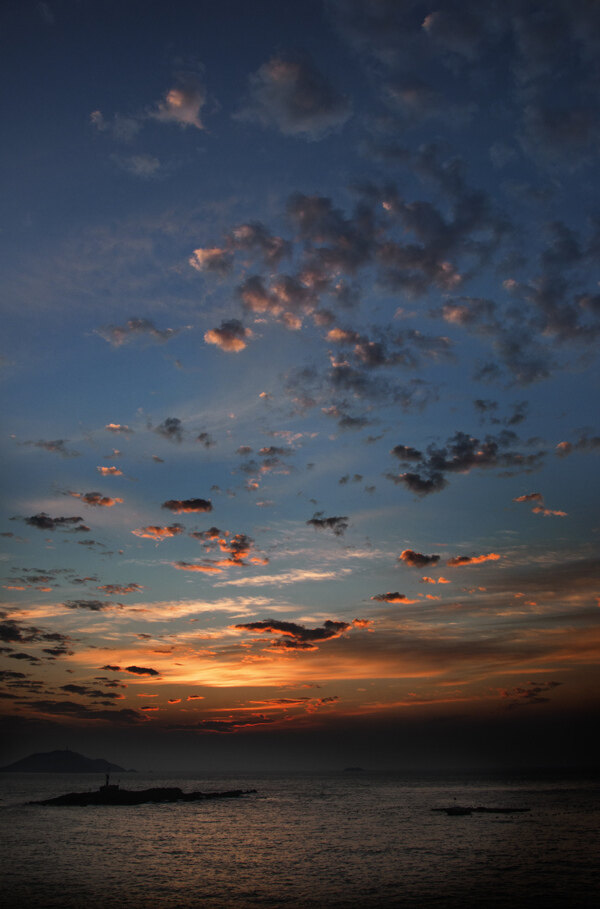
x=61 y=762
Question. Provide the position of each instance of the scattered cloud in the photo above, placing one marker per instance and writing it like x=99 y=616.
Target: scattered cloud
x=185 y=506
x=298 y=637
x=43 y=521
x=183 y=103
x=230 y=337
x=156 y=532
x=393 y=598
x=457 y=561
x=337 y=524
x=417 y=559
x=96 y=499
x=118 y=335
x=291 y=95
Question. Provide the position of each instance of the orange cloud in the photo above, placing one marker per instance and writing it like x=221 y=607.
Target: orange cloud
x=118 y=427
x=472 y=560
x=189 y=566
x=110 y=471
x=230 y=337
x=154 y=532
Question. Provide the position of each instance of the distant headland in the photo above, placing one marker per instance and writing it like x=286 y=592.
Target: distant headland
x=62 y=762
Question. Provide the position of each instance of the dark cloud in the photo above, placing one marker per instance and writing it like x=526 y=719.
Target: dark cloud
x=57 y=446
x=72 y=710
x=530 y=693
x=117 y=335
x=291 y=95
x=12 y=632
x=228 y=725
x=95 y=499
x=206 y=440
x=91 y=605
x=254 y=236
x=139 y=670
x=298 y=637
x=121 y=588
x=43 y=521
x=24 y=656
x=393 y=598
x=171 y=429
x=86 y=691
x=417 y=559
x=187 y=505
x=337 y=524
x=463 y=453
x=406 y=453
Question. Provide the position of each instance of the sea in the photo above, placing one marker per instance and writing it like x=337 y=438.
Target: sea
x=347 y=839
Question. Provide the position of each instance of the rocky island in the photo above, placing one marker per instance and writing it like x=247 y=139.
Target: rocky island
x=111 y=794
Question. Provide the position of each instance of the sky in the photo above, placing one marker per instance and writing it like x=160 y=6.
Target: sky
x=300 y=442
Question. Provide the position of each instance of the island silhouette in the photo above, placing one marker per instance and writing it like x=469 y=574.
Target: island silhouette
x=66 y=761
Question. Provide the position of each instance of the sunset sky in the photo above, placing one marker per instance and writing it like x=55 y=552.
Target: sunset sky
x=301 y=307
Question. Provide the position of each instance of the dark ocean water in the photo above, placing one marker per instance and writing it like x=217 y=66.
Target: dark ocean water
x=305 y=840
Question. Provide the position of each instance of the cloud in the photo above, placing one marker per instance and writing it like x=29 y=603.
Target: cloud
x=118 y=428
x=110 y=471
x=337 y=524
x=206 y=568
x=71 y=710
x=57 y=446
x=417 y=559
x=155 y=532
x=238 y=547
x=188 y=505
x=121 y=588
x=530 y=693
x=291 y=95
x=91 y=605
x=143 y=166
x=95 y=499
x=171 y=429
x=140 y=670
x=584 y=443
x=461 y=454
x=183 y=103
x=230 y=337
x=43 y=521
x=212 y=259
x=205 y=440
x=540 y=508
x=228 y=725
x=118 y=335
x=457 y=561
x=298 y=637
x=295 y=576
x=393 y=598
x=13 y=632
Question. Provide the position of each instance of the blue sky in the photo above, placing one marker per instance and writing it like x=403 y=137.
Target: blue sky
x=300 y=309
